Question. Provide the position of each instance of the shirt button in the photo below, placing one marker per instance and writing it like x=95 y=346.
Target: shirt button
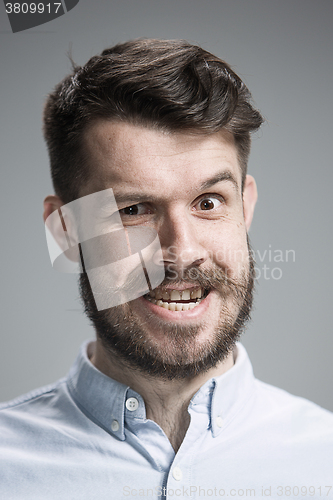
x=132 y=404
x=115 y=425
x=219 y=421
x=177 y=473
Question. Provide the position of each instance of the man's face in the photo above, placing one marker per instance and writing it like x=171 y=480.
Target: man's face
x=187 y=187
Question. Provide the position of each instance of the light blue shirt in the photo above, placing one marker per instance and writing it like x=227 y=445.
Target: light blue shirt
x=87 y=437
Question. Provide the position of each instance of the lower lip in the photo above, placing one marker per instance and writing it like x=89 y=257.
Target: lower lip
x=194 y=313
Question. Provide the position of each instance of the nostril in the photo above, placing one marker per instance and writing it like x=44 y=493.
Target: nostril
x=198 y=262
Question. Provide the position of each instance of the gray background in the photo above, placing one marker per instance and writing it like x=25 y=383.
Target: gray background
x=283 y=51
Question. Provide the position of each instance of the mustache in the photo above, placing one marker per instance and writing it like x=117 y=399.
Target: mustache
x=210 y=278
x=207 y=278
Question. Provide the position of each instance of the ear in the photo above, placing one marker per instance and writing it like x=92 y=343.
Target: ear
x=51 y=203
x=250 y=196
x=62 y=234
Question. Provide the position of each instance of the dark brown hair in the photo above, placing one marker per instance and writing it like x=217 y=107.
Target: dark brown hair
x=166 y=84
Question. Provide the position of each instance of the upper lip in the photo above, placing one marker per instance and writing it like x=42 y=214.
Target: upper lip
x=178 y=287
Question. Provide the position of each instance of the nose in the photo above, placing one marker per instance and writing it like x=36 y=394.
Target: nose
x=182 y=242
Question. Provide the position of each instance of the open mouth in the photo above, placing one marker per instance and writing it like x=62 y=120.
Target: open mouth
x=177 y=300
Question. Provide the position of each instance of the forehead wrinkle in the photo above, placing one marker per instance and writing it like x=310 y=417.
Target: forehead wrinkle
x=199 y=152
x=112 y=151
x=110 y=141
x=126 y=160
x=224 y=172
x=224 y=176
x=187 y=150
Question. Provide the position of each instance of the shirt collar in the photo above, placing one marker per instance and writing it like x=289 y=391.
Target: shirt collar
x=103 y=399
x=100 y=397
x=232 y=390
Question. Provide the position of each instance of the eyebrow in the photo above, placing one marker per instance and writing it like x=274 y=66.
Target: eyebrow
x=224 y=176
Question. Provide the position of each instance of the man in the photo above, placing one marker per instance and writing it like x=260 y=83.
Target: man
x=152 y=138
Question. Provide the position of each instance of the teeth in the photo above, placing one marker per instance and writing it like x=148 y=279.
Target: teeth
x=175 y=295
x=175 y=306
x=186 y=295
x=164 y=294
x=196 y=294
x=161 y=298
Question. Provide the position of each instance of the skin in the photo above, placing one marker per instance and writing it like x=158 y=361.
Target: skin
x=168 y=172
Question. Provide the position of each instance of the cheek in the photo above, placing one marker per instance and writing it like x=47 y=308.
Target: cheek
x=228 y=249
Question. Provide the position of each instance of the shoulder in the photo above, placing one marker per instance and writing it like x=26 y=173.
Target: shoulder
x=32 y=395
x=43 y=420
x=274 y=396
x=32 y=398
x=35 y=412
x=275 y=409
x=293 y=415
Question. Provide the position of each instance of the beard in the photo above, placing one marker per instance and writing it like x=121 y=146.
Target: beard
x=125 y=336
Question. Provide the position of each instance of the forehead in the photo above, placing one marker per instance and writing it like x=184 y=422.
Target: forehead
x=121 y=155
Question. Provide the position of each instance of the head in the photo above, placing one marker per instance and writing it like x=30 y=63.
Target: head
x=167 y=125
x=163 y=84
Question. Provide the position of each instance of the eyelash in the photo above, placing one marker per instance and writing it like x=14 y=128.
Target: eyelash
x=216 y=197
x=219 y=198
x=129 y=207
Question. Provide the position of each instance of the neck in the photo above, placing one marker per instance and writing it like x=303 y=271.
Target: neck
x=166 y=401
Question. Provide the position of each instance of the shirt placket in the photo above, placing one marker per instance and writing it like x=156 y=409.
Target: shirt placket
x=180 y=483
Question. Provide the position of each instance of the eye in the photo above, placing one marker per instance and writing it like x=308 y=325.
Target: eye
x=208 y=203
x=133 y=210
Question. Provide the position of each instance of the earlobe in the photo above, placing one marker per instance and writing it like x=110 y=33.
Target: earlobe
x=250 y=196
